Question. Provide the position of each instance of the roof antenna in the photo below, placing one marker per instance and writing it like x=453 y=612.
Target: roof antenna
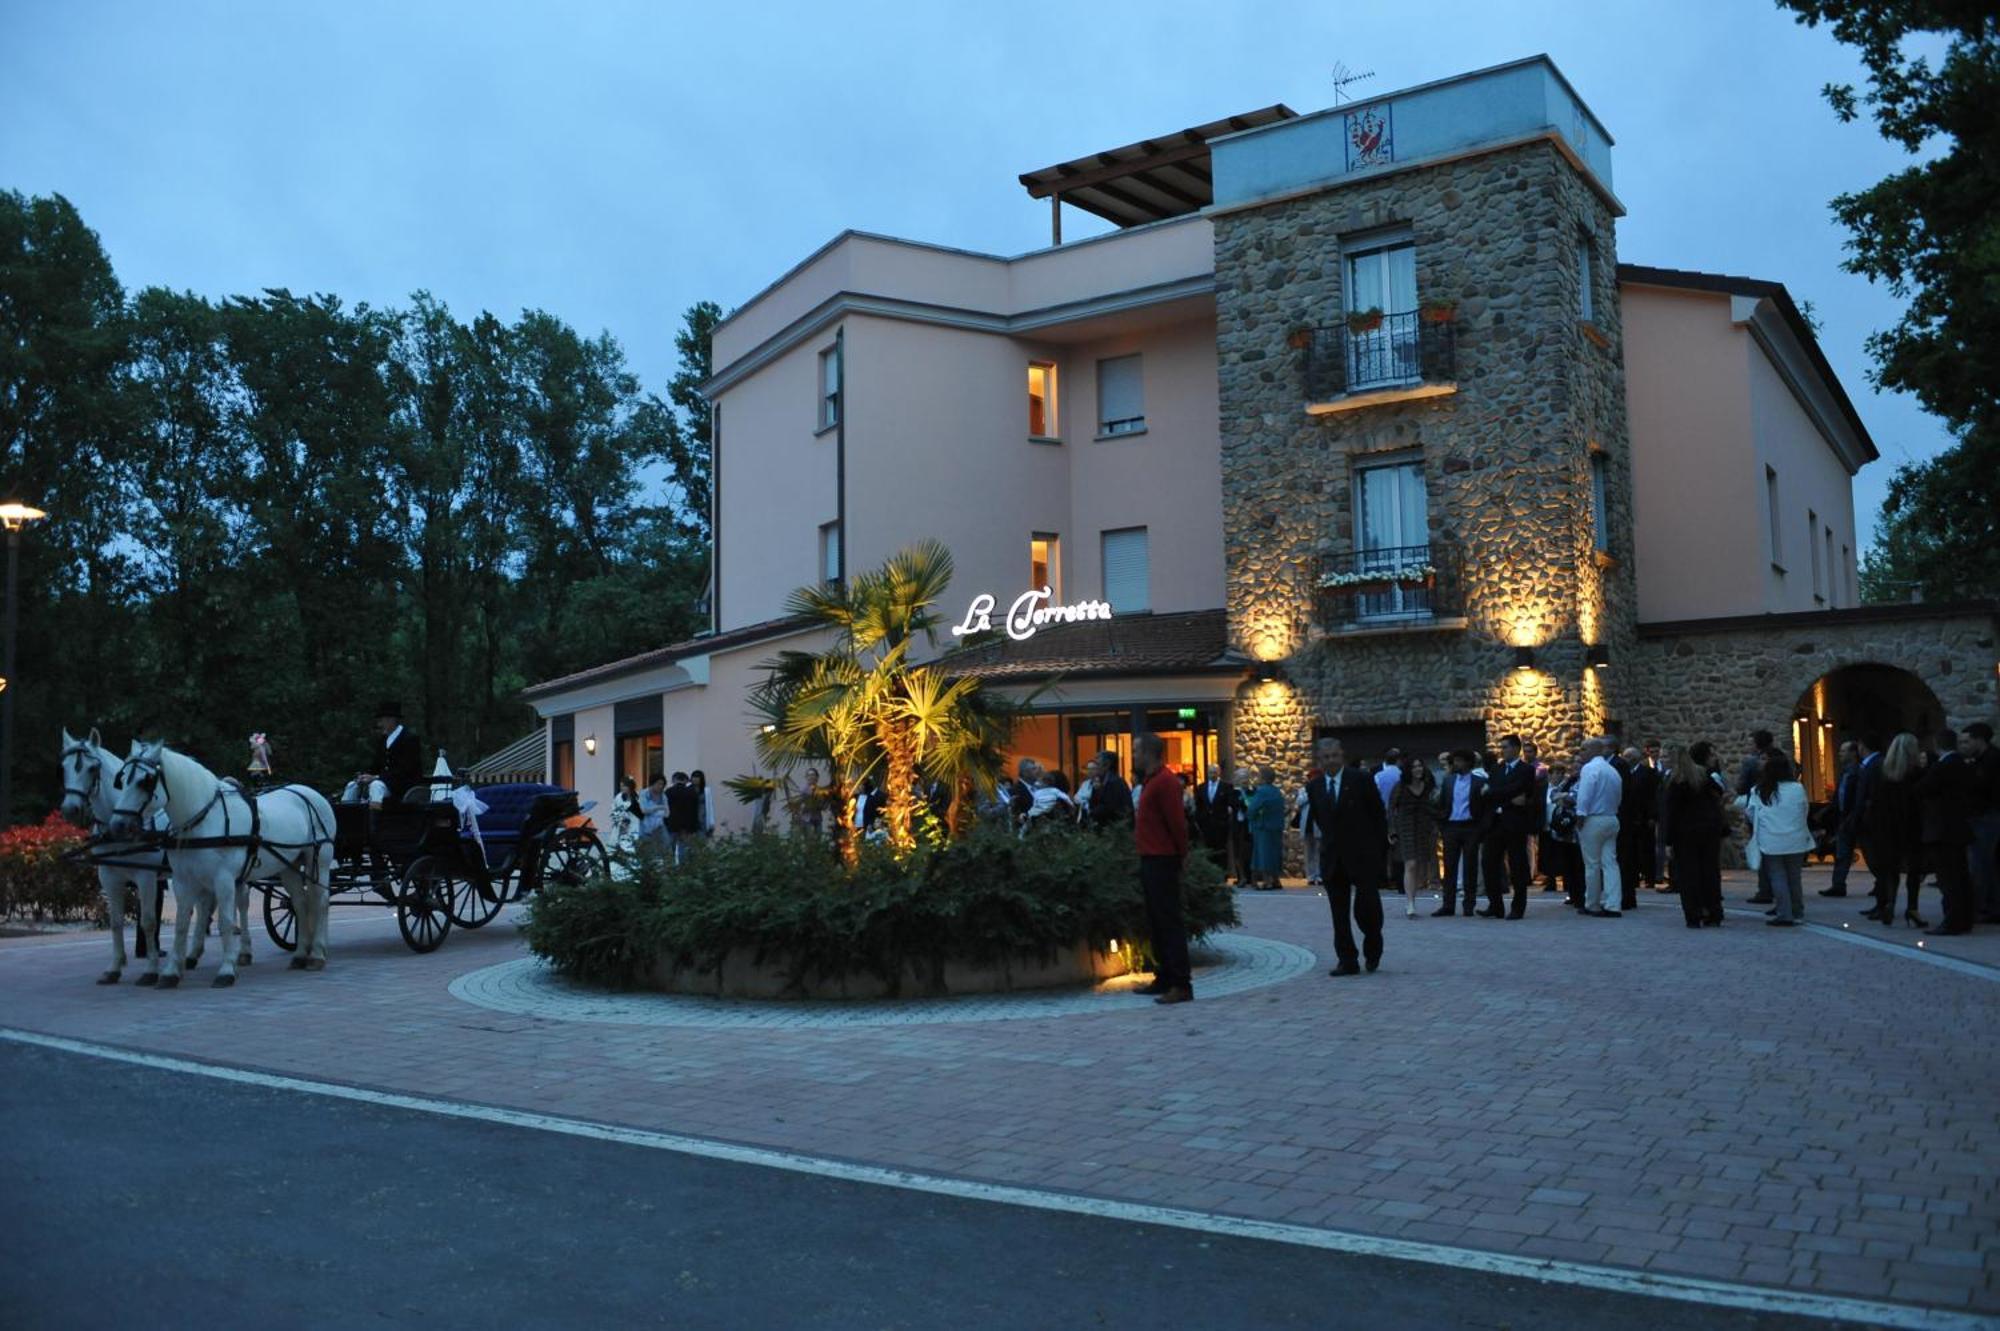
x=1342 y=76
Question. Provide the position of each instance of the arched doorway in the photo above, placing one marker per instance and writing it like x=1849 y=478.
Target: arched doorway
x=1856 y=700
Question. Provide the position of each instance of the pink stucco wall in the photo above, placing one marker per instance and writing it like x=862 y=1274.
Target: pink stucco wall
x=1708 y=413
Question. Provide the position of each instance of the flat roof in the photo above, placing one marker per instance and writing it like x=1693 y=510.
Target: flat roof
x=1151 y=180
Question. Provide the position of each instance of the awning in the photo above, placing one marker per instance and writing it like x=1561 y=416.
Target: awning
x=1147 y=181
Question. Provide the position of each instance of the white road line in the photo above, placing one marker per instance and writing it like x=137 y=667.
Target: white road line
x=358 y=913
x=1861 y=938
x=1709 y=1293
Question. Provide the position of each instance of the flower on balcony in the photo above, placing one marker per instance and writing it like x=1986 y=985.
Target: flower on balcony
x=1413 y=575
x=1438 y=310
x=1365 y=321
x=1299 y=339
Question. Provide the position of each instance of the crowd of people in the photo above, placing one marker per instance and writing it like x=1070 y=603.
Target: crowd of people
x=1601 y=828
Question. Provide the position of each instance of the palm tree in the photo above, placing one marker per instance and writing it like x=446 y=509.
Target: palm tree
x=861 y=707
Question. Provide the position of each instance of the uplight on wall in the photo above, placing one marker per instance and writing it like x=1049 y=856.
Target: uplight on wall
x=1524 y=658
x=590 y=745
x=1598 y=656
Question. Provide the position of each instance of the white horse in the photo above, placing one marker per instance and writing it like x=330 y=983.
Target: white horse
x=86 y=776
x=220 y=837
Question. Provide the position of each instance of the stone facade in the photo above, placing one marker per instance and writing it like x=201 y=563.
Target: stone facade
x=1506 y=457
x=1722 y=679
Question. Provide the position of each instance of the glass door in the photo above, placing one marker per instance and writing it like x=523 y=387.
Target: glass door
x=1394 y=539
x=1386 y=280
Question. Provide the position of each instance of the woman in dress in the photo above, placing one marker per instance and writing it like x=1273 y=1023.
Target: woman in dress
x=1895 y=829
x=1414 y=830
x=625 y=814
x=1265 y=813
x=1693 y=826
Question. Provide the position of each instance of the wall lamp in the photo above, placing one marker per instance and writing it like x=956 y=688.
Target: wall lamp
x=590 y=745
x=1269 y=671
x=1524 y=658
x=1597 y=656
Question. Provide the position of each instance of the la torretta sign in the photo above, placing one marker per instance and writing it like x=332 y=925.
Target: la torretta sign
x=1031 y=610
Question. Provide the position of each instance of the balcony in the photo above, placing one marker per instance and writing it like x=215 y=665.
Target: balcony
x=1402 y=358
x=1398 y=587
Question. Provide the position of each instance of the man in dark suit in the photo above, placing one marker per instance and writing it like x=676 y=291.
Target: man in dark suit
x=1214 y=814
x=1461 y=813
x=1638 y=807
x=1346 y=809
x=1947 y=797
x=1510 y=794
x=398 y=760
x=683 y=822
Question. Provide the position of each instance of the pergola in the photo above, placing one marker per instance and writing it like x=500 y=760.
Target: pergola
x=1147 y=181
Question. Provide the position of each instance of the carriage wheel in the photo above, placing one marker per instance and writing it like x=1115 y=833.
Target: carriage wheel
x=423 y=906
x=574 y=857
x=279 y=921
x=472 y=903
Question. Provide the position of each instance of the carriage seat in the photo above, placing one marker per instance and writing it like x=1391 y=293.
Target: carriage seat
x=508 y=807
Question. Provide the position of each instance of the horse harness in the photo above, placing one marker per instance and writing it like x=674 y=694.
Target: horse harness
x=254 y=844
x=95 y=852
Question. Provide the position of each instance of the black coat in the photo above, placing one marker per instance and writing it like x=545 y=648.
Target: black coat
x=1353 y=830
x=1639 y=799
x=1947 y=794
x=683 y=809
x=1213 y=817
x=1893 y=819
x=400 y=765
x=1693 y=814
x=1476 y=804
x=1503 y=787
x=1110 y=802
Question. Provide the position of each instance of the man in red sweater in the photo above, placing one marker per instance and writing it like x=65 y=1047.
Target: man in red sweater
x=1160 y=827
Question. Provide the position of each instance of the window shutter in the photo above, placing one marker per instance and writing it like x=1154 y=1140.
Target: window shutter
x=1127 y=583
x=1121 y=397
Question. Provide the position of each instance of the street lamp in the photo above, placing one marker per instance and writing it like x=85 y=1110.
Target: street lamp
x=16 y=518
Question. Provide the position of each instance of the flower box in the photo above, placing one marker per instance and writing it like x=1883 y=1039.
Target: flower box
x=1381 y=580
x=1438 y=311
x=1364 y=321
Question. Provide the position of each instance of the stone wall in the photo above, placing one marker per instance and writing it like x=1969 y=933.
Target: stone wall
x=1722 y=680
x=1506 y=458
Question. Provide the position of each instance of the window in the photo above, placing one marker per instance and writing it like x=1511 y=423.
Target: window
x=1585 y=279
x=1393 y=527
x=1127 y=583
x=1042 y=401
x=1847 y=572
x=1045 y=564
x=1600 y=503
x=1832 y=572
x=641 y=757
x=829 y=553
x=1812 y=550
x=1771 y=503
x=829 y=387
x=1383 y=278
x=1121 y=396
x=562 y=758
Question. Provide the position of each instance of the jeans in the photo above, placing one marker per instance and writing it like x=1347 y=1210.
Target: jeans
x=1597 y=838
x=1783 y=873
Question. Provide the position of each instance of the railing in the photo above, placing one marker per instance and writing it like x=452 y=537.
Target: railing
x=1402 y=349
x=1405 y=584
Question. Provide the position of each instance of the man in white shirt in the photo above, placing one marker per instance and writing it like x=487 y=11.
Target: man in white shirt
x=1599 y=788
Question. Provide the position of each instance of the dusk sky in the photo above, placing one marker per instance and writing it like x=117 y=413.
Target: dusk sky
x=613 y=163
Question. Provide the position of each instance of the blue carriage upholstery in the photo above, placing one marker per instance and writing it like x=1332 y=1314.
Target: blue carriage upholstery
x=507 y=808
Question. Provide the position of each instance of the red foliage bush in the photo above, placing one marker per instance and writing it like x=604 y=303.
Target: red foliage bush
x=35 y=881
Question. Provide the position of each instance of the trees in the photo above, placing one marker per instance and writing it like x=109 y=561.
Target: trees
x=1931 y=233
x=861 y=706
x=270 y=510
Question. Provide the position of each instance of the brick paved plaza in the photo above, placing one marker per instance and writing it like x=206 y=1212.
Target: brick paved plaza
x=1770 y=1107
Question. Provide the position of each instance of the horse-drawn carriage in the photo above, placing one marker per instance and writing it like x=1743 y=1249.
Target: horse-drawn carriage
x=439 y=869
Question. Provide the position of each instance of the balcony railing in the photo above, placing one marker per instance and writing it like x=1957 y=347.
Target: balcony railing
x=1403 y=349
x=1404 y=584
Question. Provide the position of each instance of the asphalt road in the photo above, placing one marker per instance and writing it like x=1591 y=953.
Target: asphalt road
x=130 y=1196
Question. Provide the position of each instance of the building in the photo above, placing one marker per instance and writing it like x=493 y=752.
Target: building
x=1356 y=424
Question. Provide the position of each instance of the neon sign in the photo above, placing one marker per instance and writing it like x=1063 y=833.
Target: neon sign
x=1031 y=610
